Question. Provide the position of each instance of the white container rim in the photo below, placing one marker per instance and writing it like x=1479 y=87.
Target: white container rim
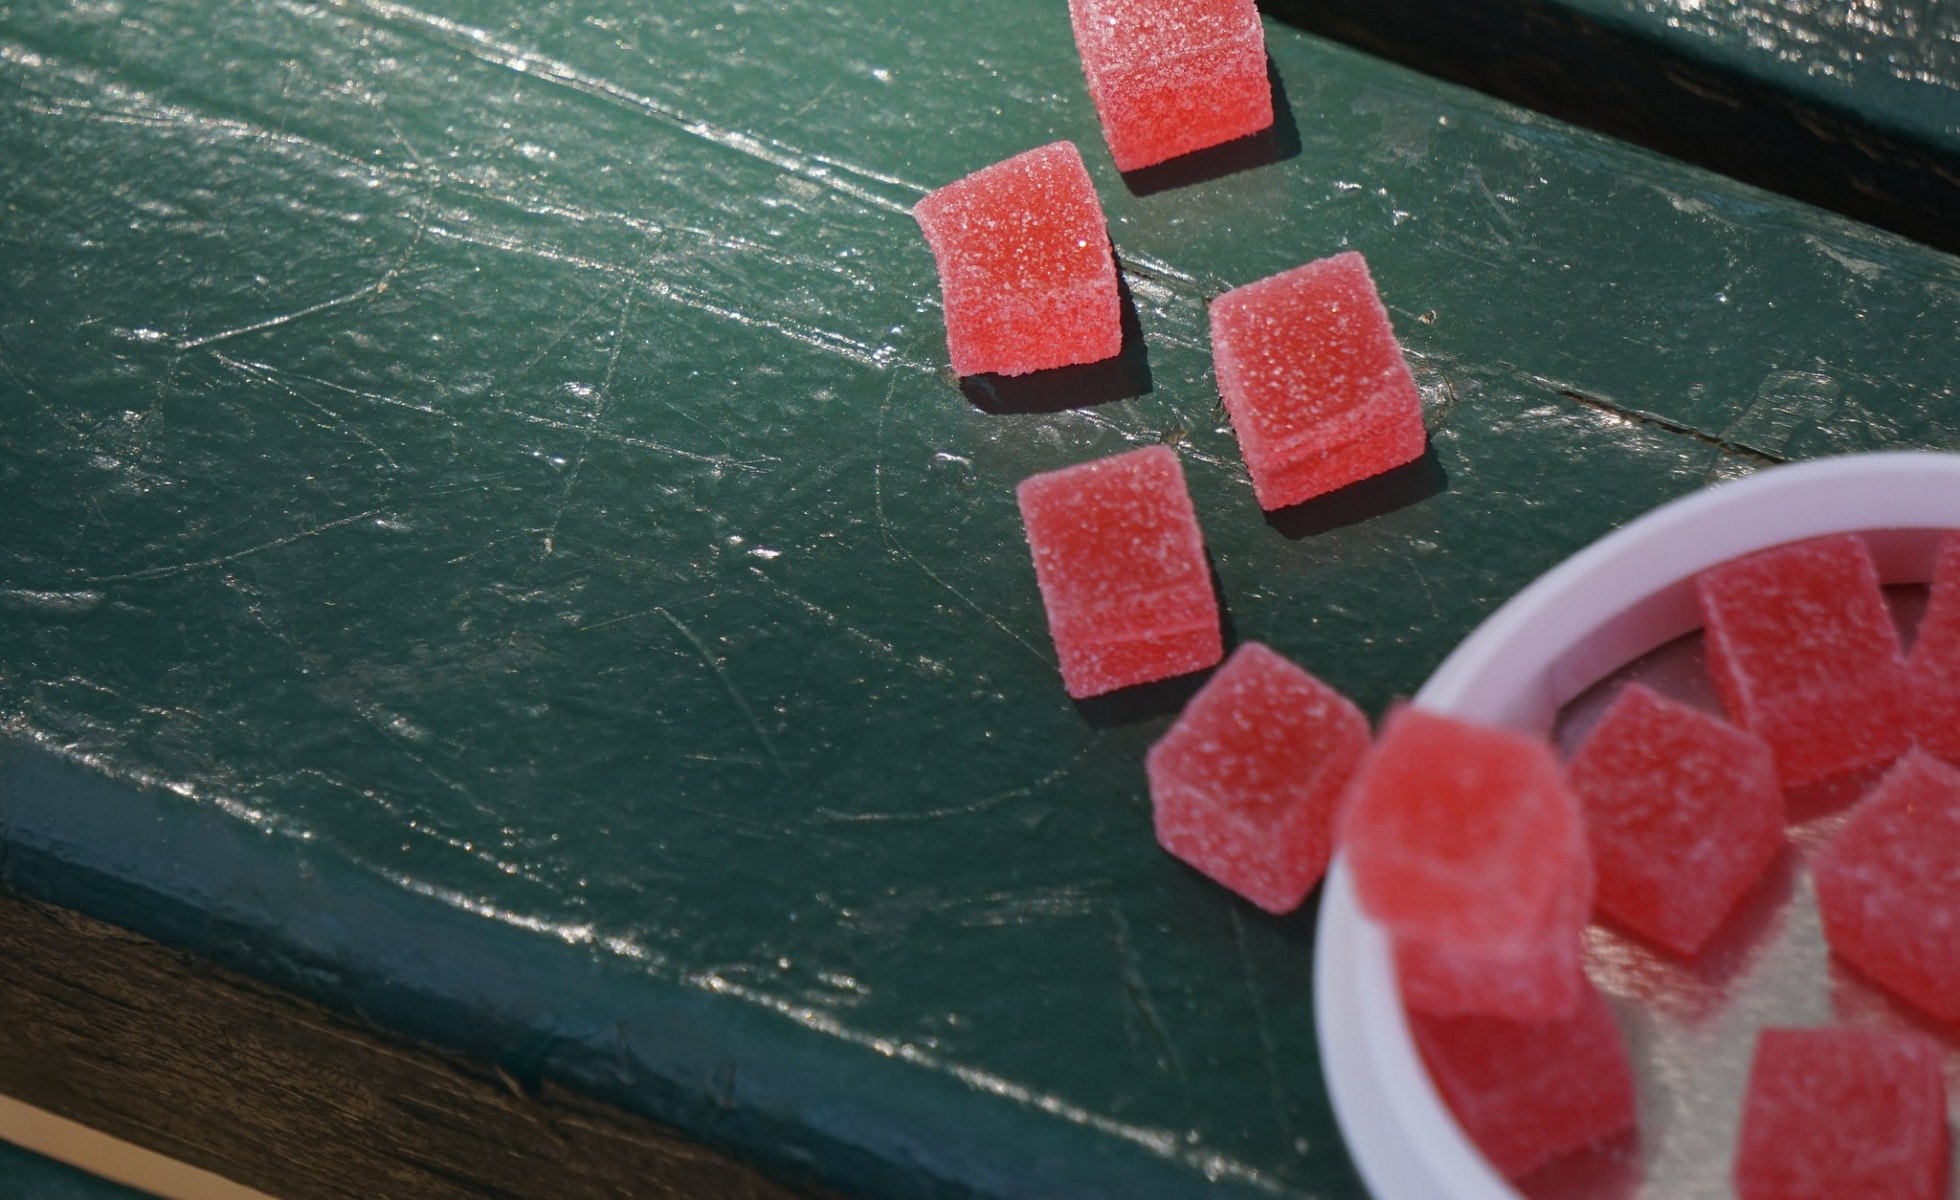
x=1619 y=598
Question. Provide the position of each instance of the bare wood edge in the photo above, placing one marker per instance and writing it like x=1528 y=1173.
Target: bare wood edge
x=208 y=1070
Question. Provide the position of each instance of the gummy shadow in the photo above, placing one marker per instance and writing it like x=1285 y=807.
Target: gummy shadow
x=1275 y=143
x=1407 y=484
x=1059 y=389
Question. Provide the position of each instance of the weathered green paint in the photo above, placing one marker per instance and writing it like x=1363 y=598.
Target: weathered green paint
x=1895 y=63
x=484 y=508
x=1855 y=107
x=28 y=1175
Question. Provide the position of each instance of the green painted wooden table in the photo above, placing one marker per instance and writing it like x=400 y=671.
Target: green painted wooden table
x=488 y=541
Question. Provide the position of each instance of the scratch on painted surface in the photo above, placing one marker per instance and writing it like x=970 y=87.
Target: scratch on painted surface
x=1130 y=970
x=1636 y=417
x=480 y=44
x=924 y=664
x=594 y=420
x=1263 y=1026
x=713 y=662
x=249 y=551
x=1022 y=792
x=376 y=288
x=272 y=373
x=892 y=544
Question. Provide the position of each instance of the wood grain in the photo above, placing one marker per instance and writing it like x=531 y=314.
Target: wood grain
x=164 y=1050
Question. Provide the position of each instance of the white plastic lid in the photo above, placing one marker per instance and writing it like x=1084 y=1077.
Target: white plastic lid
x=1624 y=596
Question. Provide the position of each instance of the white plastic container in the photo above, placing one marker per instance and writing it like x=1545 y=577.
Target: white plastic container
x=1624 y=596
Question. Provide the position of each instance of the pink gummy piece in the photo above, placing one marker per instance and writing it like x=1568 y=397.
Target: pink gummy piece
x=1802 y=648
x=1527 y=1092
x=1889 y=885
x=1314 y=380
x=1172 y=76
x=1245 y=784
x=1538 y=976
x=1465 y=843
x=1024 y=265
x=1934 y=668
x=1683 y=813
x=1122 y=570
x=1843 y=1114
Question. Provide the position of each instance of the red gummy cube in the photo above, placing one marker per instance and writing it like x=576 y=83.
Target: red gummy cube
x=1803 y=651
x=1527 y=1092
x=1683 y=812
x=1889 y=885
x=1537 y=976
x=1122 y=571
x=1245 y=784
x=1934 y=668
x=1843 y=1114
x=1466 y=845
x=1024 y=265
x=1314 y=380
x=1172 y=76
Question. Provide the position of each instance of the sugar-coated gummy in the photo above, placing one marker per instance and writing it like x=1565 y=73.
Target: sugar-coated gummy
x=1803 y=651
x=1531 y=978
x=1172 y=76
x=1245 y=784
x=1934 y=668
x=1683 y=813
x=1460 y=831
x=1528 y=1092
x=1888 y=885
x=1315 y=382
x=1843 y=1114
x=1465 y=844
x=1122 y=570
x=1025 y=268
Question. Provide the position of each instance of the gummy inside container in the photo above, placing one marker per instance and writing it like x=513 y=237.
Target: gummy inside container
x=1690 y=1025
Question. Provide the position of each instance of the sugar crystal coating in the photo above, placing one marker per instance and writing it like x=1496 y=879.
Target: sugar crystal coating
x=1122 y=570
x=1534 y=977
x=1803 y=651
x=1466 y=845
x=1934 y=668
x=1024 y=265
x=1683 y=813
x=1843 y=1114
x=1245 y=784
x=1172 y=76
x=1314 y=380
x=1888 y=885
x=1528 y=1092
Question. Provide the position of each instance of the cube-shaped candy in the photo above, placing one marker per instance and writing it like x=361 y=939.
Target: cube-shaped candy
x=1314 y=380
x=1843 y=1114
x=1122 y=571
x=1535 y=977
x=1889 y=885
x=1172 y=76
x=1528 y=1092
x=1024 y=265
x=1802 y=648
x=1466 y=845
x=1934 y=668
x=1683 y=812
x=1245 y=784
